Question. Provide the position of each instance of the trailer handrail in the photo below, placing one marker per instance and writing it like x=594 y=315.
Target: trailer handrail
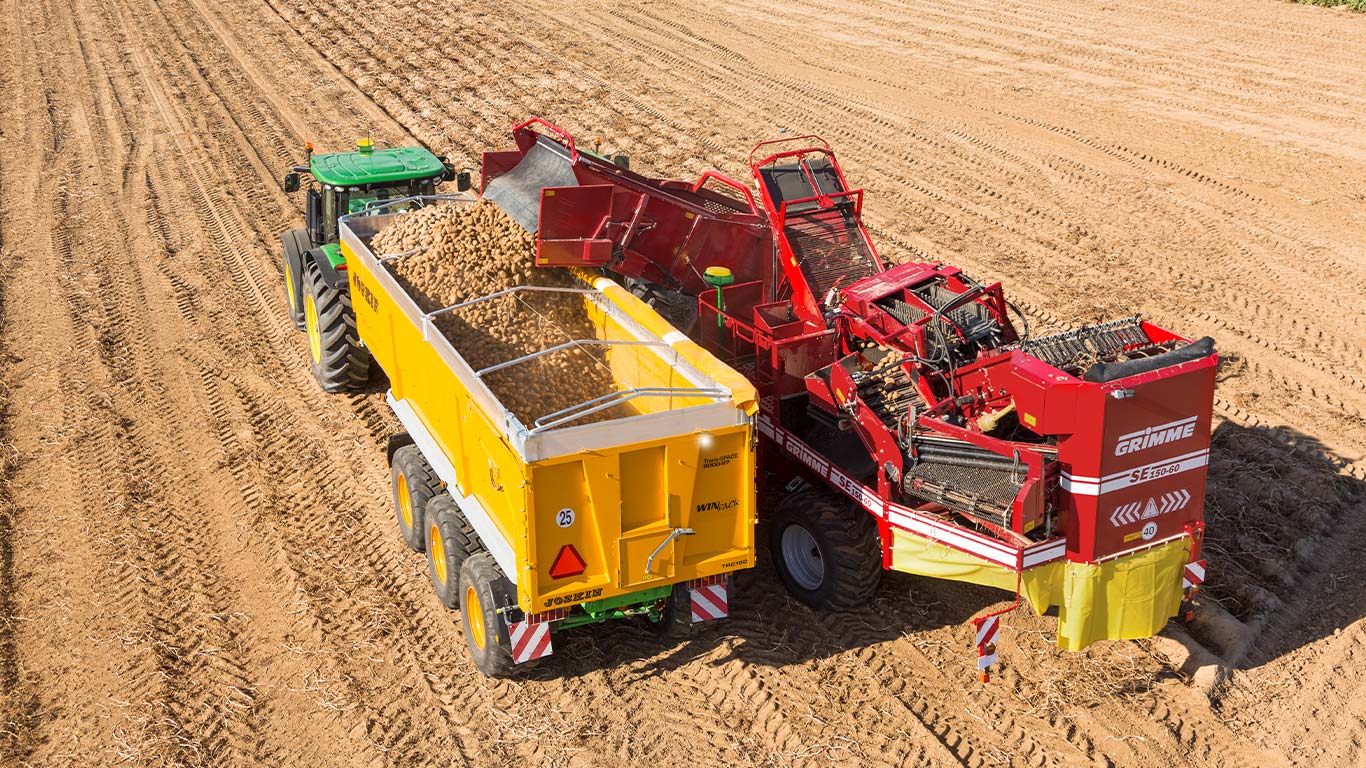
x=728 y=181
x=371 y=208
x=506 y=291
x=557 y=130
x=603 y=402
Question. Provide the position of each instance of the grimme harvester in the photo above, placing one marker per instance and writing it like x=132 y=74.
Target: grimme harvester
x=908 y=416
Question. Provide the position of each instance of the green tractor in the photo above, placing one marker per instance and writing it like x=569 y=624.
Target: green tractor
x=314 y=268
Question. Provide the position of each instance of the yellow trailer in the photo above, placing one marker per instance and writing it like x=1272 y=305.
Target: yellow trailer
x=535 y=528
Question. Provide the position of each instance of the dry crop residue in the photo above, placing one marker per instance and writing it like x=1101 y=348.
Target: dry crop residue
x=468 y=252
x=199 y=553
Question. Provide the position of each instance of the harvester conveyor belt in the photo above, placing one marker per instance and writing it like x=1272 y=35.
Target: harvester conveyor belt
x=981 y=493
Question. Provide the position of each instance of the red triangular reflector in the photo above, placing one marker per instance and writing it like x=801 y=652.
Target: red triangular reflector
x=567 y=563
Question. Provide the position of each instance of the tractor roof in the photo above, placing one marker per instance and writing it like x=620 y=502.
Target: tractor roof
x=375 y=166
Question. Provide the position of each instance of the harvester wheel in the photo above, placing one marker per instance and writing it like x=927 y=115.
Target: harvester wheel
x=827 y=552
x=450 y=542
x=414 y=486
x=295 y=244
x=339 y=361
x=483 y=590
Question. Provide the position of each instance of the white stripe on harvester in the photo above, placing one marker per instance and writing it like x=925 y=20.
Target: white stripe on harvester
x=1082 y=485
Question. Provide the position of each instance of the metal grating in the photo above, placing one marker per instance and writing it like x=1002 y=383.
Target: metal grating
x=829 y=249
x=976 y=492
x=1079 y=348
x=975 y=319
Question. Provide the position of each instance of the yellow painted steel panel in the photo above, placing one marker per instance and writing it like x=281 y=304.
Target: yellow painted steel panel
x=622 y=501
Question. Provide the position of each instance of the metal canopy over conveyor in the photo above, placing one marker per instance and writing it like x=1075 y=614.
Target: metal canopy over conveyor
x=518 y=192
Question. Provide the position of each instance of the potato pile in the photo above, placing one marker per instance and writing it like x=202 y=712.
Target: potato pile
x=471 y=251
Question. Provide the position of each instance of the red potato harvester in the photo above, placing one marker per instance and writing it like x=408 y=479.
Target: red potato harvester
x=909 y=419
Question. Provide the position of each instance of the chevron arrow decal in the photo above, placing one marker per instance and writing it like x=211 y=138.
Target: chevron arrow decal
x=1175 y=500
x=1135 y=511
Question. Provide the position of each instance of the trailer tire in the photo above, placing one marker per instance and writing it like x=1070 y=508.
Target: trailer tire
x=339 y=361
x=450 y=541
x=675 y=621
x=827 y=553
x=483 y=590
x=294 y=244
x=414 y=485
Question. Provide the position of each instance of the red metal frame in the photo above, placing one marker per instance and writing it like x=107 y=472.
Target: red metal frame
x=803 y=354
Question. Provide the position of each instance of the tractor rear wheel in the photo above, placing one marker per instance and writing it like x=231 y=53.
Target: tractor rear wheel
x=414 y=486
x=339 y=361
x=295 y=244
x=450 y=541
x=483 y=590
x=827 y=552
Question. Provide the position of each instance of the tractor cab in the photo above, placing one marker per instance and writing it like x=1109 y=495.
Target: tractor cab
x=350 y=182
x=346 y=183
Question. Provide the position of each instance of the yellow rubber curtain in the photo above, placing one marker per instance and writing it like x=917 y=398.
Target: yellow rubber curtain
x=1123 y=599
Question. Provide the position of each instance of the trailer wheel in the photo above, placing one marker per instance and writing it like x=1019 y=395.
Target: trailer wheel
x=675 y=620
x=827 y=553
x=339 y=361
x=483 y=590
x=414 y=486
x=450 y=542
x=295 y=244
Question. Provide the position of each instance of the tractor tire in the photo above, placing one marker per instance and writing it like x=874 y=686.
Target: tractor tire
x=827 y=551
x=484 y=589
x=414 y=486
x=295 y=244
x=339 y=362
x=450 y=541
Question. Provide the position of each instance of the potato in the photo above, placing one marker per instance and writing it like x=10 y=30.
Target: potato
x=473 y=251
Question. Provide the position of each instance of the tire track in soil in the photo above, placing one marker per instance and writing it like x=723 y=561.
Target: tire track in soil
x=190 y=616
x=251 y=371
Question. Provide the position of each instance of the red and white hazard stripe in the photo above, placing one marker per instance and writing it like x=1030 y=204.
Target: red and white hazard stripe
x=1194 y=575
x=530 y=640
x=708 y=598
x=987 y=629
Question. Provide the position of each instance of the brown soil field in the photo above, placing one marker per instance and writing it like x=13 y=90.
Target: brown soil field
x=198 y=563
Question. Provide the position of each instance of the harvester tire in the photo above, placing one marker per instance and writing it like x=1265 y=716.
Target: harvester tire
x=414 y=486
x=450 y=541
x=339 y=361
x=827 y=551
x=484 y=589
x=294 y=244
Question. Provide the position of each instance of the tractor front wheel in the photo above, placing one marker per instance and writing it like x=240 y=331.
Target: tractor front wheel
x=295 y=244
x=827 y=552
x=339 y=361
